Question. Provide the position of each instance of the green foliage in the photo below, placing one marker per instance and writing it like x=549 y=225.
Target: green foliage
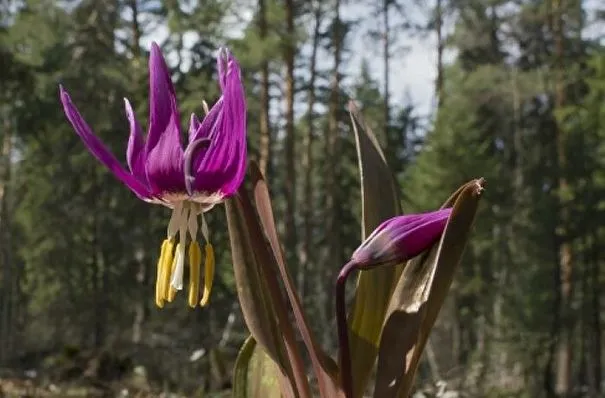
x=78 y=251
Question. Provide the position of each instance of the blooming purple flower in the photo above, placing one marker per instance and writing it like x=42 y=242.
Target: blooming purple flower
x=190 y=181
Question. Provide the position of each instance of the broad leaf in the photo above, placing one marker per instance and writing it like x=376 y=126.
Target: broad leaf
x=255 y=374
x=323 y=366
x=379 y=201
x=259 y=293
x=419 y=295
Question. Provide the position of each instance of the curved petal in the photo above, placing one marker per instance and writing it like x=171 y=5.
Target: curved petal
x=222 y=167
x=164 y=153
x=135 y=154
x=222 y=62
x=162 y=99
x=164 y=165
x=96 y=147
x=191 y=153
x=207 y=126
x=194 y=124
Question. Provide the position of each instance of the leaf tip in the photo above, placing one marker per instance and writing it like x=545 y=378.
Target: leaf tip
x=479 y=186
x=352 y=106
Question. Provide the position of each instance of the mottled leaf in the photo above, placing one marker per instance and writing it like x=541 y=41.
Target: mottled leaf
x=419 y=295
x=262 y=303
x=324 y=367
x=255 y=374
x=380 y=201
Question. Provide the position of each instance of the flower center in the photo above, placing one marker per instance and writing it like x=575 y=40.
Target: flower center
x=183 y=227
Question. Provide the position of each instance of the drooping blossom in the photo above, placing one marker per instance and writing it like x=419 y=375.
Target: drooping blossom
x=189 y=180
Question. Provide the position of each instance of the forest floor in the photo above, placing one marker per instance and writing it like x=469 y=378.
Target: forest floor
x=82 y=374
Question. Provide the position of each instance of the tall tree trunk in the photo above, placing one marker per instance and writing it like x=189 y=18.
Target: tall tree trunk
x=136 y=30
x=596 y=312
x=307 y=161
x=142 y=276
x=7 y=297
x=96 y=276
x=386 y=63
x=264 y=151
x=289 y=153
x=440 y=46
x=585 y=357
x=565 y=259
x=332 y=187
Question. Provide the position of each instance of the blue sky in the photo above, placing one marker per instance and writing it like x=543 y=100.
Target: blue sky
x=412 y=70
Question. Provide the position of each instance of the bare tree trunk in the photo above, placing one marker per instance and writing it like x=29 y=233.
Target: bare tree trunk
x=564 y=347
x=584 y=359
x=440 y=46
x=265 y=133
x=140 y=307
x=386 y=64
x=596 y=313
x=7 y=303
x=289 y=153
x=136 y=30
x=331 y=217
x=307 y=161
x=96 y=275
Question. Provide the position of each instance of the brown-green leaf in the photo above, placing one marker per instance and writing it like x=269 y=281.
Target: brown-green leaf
x=380 y=201
x=255 y=374
x=324 y=367
x=259 y=293
x=419 y=295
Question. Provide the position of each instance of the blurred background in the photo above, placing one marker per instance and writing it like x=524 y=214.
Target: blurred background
x=511 y=90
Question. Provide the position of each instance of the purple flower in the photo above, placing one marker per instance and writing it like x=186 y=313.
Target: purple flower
x=393 y=242
x=190 y=181
x=401 y=238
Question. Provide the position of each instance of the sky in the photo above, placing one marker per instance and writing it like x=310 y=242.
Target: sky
x=412 y=70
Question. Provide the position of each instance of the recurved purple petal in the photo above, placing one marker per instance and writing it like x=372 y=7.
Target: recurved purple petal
x=162 y=98
x=223 y=58
x=164 y=153
x=164 y=165
x=401 y=238
x=222 y=166
x=135 y=152
x=194 y=125
x=96 y=147
x=206 y=128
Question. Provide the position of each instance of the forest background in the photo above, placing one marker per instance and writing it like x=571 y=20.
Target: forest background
x=511 y=90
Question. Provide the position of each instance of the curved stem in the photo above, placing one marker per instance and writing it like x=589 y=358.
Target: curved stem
x=344 y=354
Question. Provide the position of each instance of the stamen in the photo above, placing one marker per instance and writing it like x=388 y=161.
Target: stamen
x=167 y=260
x=195 y=260
x=205 y=106
x=159 y=292
x=175 y=263
x=192 y=223
x=177 y=273
x=208 y=274
x=175 y=217
x=205 y=229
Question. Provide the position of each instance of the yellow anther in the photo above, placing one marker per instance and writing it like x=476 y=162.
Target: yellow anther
x=195 y=260
x=208 y=274
x=159 y=292
x=171 y=293
x=167 y=260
